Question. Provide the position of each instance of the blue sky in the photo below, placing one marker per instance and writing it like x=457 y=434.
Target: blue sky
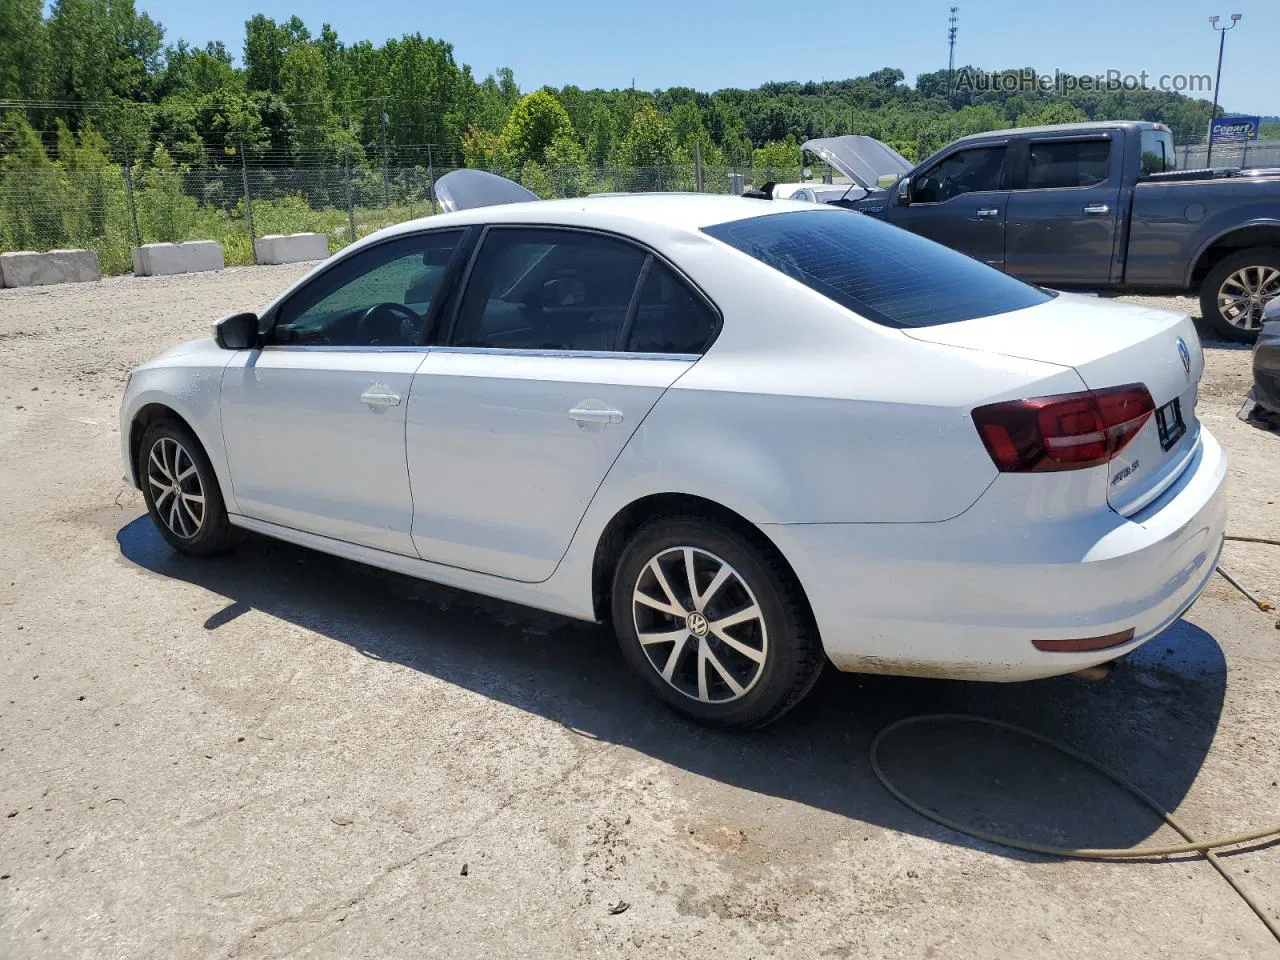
x=663 y=43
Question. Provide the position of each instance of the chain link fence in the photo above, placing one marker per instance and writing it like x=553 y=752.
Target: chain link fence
x=1243 y=153
x=112 y=207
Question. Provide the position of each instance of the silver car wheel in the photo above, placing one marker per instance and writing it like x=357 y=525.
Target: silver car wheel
x=700 y=625
x=1245 y=293
x=175 y=488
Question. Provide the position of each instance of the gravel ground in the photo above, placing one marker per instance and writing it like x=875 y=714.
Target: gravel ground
x=282 y=754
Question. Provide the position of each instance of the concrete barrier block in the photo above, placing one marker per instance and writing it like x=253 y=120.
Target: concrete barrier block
x=28 y=269
x=163 y=259
x=291 y=248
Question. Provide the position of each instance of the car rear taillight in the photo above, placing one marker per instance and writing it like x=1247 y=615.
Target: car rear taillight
x=1070 y=431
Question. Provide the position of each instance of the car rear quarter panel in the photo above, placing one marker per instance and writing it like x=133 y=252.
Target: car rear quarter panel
x=1174 y=223
x=802 y=412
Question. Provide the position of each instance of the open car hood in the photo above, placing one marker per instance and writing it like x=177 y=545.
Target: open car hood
x=864 y=160
x=466 y=189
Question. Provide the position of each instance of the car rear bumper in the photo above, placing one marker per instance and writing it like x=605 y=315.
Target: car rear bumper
x=968 y=597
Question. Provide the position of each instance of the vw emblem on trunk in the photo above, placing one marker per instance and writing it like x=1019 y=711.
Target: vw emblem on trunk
x=1185 y=356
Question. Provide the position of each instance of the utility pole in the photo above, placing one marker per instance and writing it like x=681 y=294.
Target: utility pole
x=128 y=192
x=1213 y=112
x=385 y=196
x=952 y=22
x=431 y=178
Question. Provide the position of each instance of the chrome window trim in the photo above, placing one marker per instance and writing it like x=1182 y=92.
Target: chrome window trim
x=337 y=347
x=571 y=354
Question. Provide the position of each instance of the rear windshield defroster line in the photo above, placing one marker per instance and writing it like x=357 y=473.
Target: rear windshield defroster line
x=879 y=271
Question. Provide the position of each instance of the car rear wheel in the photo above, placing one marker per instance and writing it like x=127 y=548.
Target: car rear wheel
x=181 y=490
x=1237 y=289
x=715 y=624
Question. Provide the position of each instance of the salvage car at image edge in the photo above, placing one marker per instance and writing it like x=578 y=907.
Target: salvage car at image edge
x=751 y=435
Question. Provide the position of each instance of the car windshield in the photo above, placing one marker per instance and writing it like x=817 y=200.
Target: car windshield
x=876 y=270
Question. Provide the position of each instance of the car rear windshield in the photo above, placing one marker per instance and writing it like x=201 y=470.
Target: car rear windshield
x=883 y=273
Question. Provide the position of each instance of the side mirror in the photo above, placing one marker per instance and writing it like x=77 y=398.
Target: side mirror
x=239 y=331
x=904 y=192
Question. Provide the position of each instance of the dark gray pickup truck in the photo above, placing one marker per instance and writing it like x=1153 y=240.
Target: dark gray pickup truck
x=1095 y=205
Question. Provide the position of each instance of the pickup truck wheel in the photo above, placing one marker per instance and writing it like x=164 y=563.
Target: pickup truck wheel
x=1237 y=289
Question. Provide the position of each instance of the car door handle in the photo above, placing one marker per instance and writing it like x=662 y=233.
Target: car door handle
x=376 y=397
x=594 y=414
x=986 y=213
x=1096 y=209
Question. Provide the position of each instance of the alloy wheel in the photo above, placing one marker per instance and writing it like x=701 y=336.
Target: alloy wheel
x=1244 y=293
x=175 y=488
x=700 y=625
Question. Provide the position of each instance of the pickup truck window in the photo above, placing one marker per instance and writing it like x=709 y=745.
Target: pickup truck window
x=965 y=171
x=1068 y=163
x=885 y=274
x=1158 y=155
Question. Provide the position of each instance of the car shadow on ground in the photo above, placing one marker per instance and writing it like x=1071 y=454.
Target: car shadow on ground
x=1153 y=719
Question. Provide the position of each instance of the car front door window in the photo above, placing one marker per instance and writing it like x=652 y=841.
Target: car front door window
x=965 y=171
x=379 y=297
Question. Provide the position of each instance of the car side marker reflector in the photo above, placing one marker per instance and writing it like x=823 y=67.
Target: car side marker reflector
x=1084 y=644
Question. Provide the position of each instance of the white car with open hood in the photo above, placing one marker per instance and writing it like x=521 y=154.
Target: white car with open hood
x=752 y=435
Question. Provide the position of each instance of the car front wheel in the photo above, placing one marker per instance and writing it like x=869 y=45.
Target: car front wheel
x=181 y=490
x=714 y=622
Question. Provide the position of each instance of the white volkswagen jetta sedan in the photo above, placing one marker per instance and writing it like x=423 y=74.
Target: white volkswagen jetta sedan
x=753 y=435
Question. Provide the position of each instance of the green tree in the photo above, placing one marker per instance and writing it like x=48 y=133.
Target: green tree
x=535 y=123
x=1060 y=112
x=649 y=140
x=24 y=54
x=99 y=49
x=165 y=211
x=265 y=45
x=780 y=156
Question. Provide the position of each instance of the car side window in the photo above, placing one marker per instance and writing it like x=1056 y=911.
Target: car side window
x=548 y=289
x=380 y=296
x=1068 y=163
x=965 y=171
x=670 y=318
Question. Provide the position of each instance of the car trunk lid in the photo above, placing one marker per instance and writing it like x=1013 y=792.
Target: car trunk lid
x=1108 y=344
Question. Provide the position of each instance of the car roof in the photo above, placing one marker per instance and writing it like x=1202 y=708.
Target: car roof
x=1086 y=127
x=676 y=211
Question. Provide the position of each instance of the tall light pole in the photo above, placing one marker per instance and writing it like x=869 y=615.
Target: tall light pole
x=1213 y=112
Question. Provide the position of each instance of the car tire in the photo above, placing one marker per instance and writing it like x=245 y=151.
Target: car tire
x=743 y=673
x=181 y=490
x=1254 y=273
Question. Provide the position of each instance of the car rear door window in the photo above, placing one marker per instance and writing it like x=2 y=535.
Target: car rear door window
x=548 y=289
x=883 y=273
x=1158 y=155
x=965 y=171
x=1068 y=163
x=669 y=316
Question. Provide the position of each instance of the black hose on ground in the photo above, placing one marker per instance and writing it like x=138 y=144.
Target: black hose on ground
x=1206 y=848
